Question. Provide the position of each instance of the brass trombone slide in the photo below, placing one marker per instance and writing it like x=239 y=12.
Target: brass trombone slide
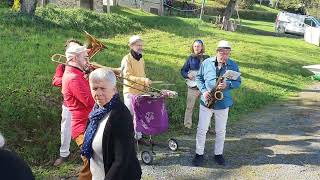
x=94 y=46
x=61 y=59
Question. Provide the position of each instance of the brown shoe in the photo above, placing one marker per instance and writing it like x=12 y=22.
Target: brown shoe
x=60 y=161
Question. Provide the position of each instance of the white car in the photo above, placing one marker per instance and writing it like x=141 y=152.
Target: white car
x=294 y=23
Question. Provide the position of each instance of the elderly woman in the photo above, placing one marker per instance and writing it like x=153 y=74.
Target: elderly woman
x=133 y=71
x=109 y=137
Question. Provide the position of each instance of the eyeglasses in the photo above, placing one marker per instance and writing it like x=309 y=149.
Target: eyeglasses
x=224 y=51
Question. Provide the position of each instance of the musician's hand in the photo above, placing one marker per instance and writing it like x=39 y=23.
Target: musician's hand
x=191 y=77
x=207 y=95
x=148 y=82
x=222 y=85
x=86 y=76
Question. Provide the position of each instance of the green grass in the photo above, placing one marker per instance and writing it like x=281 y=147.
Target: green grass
x=30 y=106
x=257 y=7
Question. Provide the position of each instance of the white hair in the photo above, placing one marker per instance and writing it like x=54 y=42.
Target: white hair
x=103 y=74
x=2 y=141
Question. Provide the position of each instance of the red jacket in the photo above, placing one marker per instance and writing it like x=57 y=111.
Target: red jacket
x=77 y=97
x=57 y=78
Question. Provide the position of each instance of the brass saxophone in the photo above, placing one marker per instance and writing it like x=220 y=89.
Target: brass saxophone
x=215 y=94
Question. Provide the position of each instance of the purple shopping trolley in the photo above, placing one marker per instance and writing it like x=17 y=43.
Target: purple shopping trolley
x=151 y=118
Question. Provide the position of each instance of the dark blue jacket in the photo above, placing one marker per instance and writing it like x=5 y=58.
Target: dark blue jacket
x=192 y=64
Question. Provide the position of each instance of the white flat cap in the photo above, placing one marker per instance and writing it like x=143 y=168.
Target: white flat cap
x=224 y=44
x=73 y=50
x=134 y=39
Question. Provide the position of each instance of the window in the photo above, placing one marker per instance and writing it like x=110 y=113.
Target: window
x=308 y=22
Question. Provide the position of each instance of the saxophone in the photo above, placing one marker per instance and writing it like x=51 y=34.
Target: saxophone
x=215 y=94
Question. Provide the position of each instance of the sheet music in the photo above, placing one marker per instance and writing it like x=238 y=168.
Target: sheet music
x=231 y=75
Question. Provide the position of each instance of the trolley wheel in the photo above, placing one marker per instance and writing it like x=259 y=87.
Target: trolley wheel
x=173 y=144
x=146 y=157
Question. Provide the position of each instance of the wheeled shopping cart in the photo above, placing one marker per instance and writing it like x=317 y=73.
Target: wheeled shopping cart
x=151 y=118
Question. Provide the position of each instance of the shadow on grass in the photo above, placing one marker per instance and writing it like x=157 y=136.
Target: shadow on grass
x=249 y=30
x=30 y=112
x=172 y=25
x=76 y=20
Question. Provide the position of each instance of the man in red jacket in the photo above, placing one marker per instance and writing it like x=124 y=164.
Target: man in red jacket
x=66 y=114
x=77 y=96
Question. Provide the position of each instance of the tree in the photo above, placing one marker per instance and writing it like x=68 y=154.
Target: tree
x=226 y=15
x=28 y=6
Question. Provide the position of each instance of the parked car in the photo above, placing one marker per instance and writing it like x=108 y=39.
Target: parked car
x=294 y=23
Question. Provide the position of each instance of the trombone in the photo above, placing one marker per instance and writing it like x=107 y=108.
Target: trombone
x=95 y=46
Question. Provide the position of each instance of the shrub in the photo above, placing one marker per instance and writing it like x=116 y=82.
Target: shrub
x=246 y=4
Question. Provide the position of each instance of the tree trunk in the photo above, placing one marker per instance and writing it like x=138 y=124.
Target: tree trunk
x=276 y=4
x=28 y=6
x=225 y=20
x=202 y=6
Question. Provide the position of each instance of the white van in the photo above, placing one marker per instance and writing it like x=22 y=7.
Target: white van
x=294 y=23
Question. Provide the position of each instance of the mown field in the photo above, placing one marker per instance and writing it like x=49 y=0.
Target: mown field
x=30 y=106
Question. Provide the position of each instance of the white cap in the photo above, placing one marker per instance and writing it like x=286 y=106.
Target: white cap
x=2 y=141
x=73 y=50
x=223 y=44
x=134 y=39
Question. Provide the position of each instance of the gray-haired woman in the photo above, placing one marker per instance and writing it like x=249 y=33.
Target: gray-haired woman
x=109 y=138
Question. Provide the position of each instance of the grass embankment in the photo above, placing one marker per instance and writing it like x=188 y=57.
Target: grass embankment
x=30 y=106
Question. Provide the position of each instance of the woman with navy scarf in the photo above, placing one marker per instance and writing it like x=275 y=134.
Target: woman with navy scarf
x=109 y=138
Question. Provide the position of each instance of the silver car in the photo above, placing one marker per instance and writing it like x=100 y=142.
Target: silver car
x=294 y=23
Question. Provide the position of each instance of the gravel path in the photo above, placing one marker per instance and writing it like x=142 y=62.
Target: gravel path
x=281 y=141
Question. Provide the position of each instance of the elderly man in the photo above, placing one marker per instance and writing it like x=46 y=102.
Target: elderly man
x=132 y=66
x=77 y=97
x=109 y=141
x=210 y=70
x=65 y=129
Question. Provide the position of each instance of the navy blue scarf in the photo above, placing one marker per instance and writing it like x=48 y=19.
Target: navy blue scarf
x=135 y=55
x=95 y=116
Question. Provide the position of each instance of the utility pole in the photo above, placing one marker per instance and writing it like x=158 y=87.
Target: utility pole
x=108 y=6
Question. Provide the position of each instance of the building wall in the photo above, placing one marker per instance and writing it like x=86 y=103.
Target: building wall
x=96 y=5
x=145 y=5
x=155 y=4
x=67 y=3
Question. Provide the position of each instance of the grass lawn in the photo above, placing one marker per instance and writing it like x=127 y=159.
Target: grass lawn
x=30 y=107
